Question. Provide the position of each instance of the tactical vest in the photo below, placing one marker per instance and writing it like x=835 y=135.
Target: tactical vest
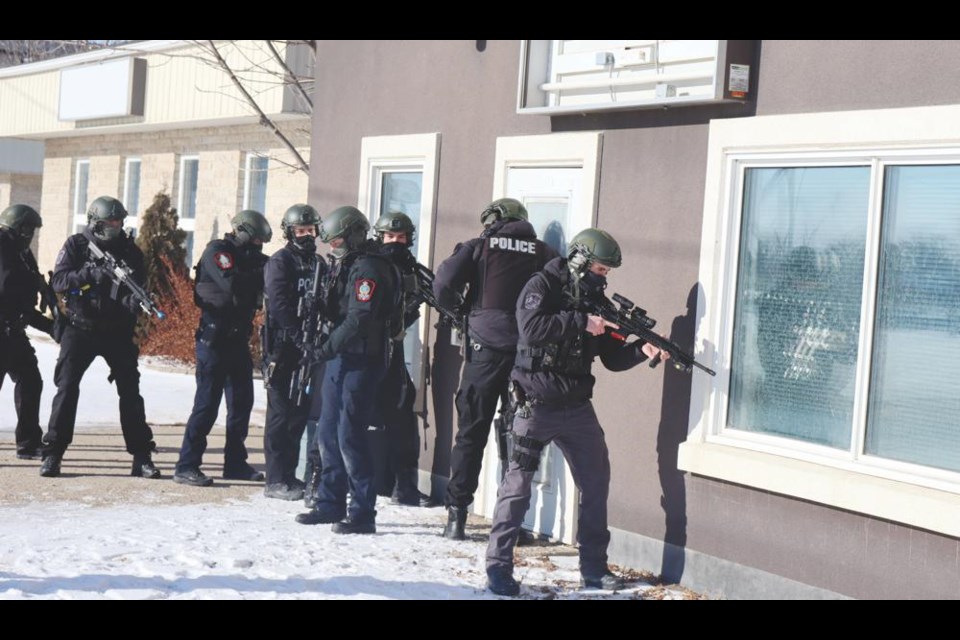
x=568 y=358
x=504 y=265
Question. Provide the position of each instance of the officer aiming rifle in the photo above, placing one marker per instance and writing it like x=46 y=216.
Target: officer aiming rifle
x=122 y=275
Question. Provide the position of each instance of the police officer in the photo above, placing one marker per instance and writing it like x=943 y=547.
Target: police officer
x=360 y=295
x=289 y=276
x=395 y=231
x=496 y=265
x=228 y=288
x=19 y=287
x=557 y=347
x=100 y=323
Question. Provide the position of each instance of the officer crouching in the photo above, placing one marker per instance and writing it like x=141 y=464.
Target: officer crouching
x=101 y=319
x=19 y=287
x=360 y=295
x=228 y=288
x=555 y=354
x=289 y=277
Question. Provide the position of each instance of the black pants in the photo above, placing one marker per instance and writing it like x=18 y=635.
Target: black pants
x=225 y=367
x=19 y=361
x=313 y=420
x=284 y=428
x=482 y=386
x=77 y=351
x=401 y=430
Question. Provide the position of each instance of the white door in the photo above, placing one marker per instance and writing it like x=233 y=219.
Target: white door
x=553 y=198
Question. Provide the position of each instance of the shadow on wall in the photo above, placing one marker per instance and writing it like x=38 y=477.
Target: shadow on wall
x=444 y=380
x=672 y=431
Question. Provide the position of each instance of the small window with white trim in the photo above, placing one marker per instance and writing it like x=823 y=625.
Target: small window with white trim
x=131 y=191
x=187 y=200
x=81 y=182
x=255 y=182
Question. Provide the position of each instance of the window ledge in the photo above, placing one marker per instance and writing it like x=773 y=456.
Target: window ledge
x=913 y=505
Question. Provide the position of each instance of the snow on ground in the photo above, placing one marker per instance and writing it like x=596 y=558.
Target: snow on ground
x=97 y=533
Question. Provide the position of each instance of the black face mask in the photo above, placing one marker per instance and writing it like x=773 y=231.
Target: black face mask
x=25 y=237
x=393 y=248
x=593 y=282
x=306 y=244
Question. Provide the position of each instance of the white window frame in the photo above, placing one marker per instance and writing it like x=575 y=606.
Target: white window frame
x=912 y=494
x=414 y=152
x=187 y=224
x=133 y=219
x=250 y=155
x=80 y=210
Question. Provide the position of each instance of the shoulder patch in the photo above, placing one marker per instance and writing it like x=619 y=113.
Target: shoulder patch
x=61 y=255
x=532 y=301
x=365 y=289
x=223 y=260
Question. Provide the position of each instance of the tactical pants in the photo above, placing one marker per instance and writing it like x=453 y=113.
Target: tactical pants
x=78 y=349
x=401 y=429
x=312 y=442
x=578 y=435
x=349 y=387
x=19 y=361
x=284 y=428
x=482 y=386
x=225 y=368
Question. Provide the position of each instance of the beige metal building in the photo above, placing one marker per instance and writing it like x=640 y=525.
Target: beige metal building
x=157 y=116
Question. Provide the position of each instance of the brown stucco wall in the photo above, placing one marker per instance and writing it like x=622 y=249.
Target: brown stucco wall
x=651 y=197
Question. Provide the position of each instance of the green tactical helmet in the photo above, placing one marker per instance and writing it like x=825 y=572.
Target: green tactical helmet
x=503 y=209
x=594 y=245
x=297 y=215
x=22 y=221
x=395 y=222
x=347 y=223
x=250 y=225
x=102 y=209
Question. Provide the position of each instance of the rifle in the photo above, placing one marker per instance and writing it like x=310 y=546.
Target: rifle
x=634 y=320
x=122 y=275
x=454 y=318
x=311 y=324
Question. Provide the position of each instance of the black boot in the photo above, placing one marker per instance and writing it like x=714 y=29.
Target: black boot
x=456 y=523
x=242 y=472
x=192 y=477
x=50 y=468
x=315 y=516
x=310 y=488
x=143 y=467
x=601 y=580
x=500 y=581
x=349 y=525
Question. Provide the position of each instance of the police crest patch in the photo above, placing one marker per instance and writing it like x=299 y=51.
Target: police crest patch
x=224 y=261
x=532 y=301
x=365 y=290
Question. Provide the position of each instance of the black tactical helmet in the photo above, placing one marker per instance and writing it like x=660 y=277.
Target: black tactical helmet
x=347 y=223
x=297 y=215
x=102 y=209
x=21 y=220
x=395 y=222
x=593 y=245
x=503 y=209
x=251 y=225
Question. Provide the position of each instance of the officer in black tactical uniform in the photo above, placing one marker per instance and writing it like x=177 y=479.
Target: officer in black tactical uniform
x=100 y=322
x=395 y=231
x=361 y=293
x=557 y=347
x=289 y=276
x=496 y=265
x=228 y=288
x=19 y=287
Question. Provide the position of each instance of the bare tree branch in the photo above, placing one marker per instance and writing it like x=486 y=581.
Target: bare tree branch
x=264 y=119
x=290 y=75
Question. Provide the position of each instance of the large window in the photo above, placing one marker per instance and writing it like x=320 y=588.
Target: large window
x=828 y=297
x=81 y=181
x=255 y=182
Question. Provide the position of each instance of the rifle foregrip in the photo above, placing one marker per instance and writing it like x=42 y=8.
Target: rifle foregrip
x=655 y=361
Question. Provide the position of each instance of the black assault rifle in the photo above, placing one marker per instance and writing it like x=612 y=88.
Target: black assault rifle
x=311 y=325
x=122 y=275
x=424 y=293
x=634 y=321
